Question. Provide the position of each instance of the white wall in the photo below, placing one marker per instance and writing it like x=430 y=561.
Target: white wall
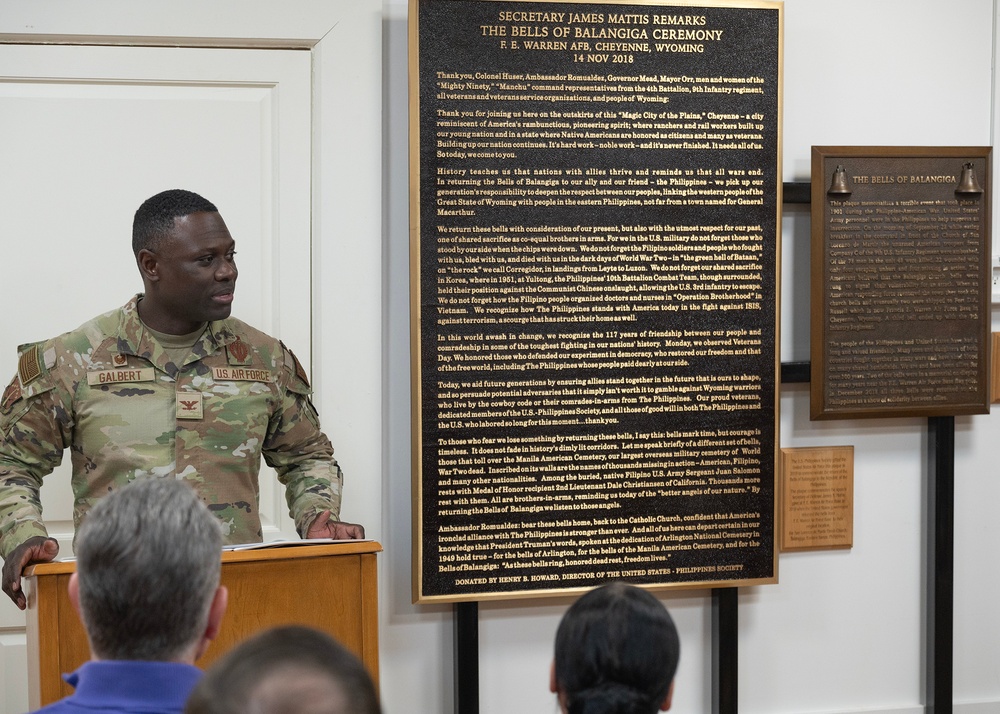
x=842 y=631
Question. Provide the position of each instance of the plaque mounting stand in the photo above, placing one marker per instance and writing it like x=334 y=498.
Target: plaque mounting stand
x=939 y=614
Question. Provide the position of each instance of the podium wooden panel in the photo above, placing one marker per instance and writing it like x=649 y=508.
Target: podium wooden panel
x=332 y=587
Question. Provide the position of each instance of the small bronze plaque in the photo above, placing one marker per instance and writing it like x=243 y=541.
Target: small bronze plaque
x=900 y=281
x=817 y=497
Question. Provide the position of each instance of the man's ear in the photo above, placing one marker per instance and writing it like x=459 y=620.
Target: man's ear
x=215 y=613
x=552 y=678
x=148 y=265
x=74 y=594
x=670 y=695
x=219 y=604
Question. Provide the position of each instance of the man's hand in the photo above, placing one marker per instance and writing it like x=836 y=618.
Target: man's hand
x=37 y=549
x=322 y=527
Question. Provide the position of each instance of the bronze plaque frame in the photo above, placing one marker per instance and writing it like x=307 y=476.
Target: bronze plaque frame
x=900 y=281
x=579 y=415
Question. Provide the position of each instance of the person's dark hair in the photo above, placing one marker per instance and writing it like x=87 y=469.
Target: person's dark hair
x=148 y=566
x=616 y=652
x=155 y=217
x=286 y=670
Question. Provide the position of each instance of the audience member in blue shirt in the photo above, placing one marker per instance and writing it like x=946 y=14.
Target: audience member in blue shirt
x=147 y=590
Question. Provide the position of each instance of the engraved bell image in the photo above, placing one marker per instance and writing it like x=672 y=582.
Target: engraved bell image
x=967 y=184
x=839 y=185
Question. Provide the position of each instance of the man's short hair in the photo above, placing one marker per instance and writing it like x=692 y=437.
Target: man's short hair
x=155 y=217
x=148 y=565
x=286 y=670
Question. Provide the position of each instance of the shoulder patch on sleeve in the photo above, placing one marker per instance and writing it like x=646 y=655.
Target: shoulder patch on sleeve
x=10 y=396
x=299 y=371
x=29 y=364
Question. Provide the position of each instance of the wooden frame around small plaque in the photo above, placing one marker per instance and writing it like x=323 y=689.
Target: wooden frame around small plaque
x=995 y=367
x=900 y=281
x=817 y=498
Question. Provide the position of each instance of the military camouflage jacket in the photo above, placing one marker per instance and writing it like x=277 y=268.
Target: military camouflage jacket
x=108 y=392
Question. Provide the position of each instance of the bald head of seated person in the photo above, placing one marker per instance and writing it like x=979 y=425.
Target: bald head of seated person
x=147 y=590
x=286 y=670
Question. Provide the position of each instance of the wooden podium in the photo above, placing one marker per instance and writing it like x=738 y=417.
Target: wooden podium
x=332 y=587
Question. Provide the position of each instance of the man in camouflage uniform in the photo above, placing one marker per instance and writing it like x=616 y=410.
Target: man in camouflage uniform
x=167 y=386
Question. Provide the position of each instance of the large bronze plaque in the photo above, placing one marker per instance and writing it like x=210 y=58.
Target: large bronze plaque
x=595 y=247
x=900 y=281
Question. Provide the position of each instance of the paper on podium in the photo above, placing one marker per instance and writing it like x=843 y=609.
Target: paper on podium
x=285 y=543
